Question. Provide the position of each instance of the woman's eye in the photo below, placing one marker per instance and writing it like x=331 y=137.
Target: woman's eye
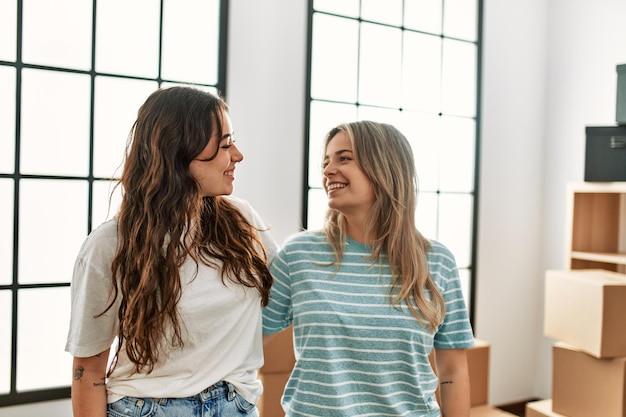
x=227 y=144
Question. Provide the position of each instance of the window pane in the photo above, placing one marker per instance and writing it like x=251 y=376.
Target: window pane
x=64 y=218
x=6 y=232
x=190 y=41
x=41 y=339
x=6 y=306
x=106 y=201
x=455 y=226
x=127 y=34
x=380 y=65
x=421 y=72
x=113 y=120
x=459 y=78
x=318 y=204
x=423 y=132
x=423 y=15
x=7 y=119
x=57 y=33
x=388 y=11
x=426 y=215
x=460 y=19
x=55 y=123
x=348 y=8
x=379 y=114
x=457 y=159
x=334 y=58
x=8 y=30
x=324 y=116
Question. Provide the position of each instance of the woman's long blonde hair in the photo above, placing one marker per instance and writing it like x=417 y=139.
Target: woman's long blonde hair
x=385 y=156
x=164 y=219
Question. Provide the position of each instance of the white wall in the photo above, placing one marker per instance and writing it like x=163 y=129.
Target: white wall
x=266 y=94
x=509 y=269
x=548 y=70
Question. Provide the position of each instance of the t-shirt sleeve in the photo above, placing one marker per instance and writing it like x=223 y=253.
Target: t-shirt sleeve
x=277 y=315
x=456 y=331
x=91 y=329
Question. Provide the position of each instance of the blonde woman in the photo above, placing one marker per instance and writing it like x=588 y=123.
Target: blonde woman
x=369 y=297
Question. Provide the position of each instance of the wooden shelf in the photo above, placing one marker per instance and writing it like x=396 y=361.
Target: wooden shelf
x=615 y=258
x=596 y=226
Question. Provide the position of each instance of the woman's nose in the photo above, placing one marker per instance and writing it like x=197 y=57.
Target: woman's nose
x=328 y=170
x=237 y=155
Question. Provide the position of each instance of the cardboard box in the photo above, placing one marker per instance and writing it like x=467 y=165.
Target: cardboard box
x=273 y=386
x=541 y=408
x=586 y=386
x=586 y=308
x=478 y=364
x=278 y=353
x=488 y=411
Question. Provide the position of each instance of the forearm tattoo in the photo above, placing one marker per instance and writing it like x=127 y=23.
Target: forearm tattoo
x=102 y=383
x=79 y=371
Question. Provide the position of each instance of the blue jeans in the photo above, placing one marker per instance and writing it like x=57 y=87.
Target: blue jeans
x=219 y=400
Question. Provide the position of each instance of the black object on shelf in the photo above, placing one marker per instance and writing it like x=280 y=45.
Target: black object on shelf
x=605 y=153
x=620 y=108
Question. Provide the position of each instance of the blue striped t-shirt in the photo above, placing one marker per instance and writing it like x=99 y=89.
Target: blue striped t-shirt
x=356 y=354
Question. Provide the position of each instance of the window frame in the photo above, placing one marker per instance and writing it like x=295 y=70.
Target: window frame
x=306 y=188
x=15 y=397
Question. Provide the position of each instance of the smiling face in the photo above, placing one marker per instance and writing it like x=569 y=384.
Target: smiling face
x=348 y=189
x=216 y=175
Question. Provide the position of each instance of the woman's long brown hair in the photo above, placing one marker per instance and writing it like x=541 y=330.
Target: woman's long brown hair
x=385 y=156
x=163 y=220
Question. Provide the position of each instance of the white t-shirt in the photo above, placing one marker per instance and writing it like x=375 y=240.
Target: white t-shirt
x=221 y=324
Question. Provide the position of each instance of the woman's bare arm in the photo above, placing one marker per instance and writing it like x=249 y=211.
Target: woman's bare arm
x=89 y=385
x=454 y=385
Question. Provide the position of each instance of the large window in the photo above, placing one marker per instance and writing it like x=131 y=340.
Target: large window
x=72 y=75
x=413 y=64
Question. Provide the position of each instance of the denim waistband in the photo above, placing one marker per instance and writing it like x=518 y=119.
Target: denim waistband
x=134 y=406
x=216 y=390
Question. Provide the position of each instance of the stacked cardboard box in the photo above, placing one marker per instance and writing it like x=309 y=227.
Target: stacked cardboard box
x=488 y=411
x=585 y=311
x=478 y=365
x=280 y=359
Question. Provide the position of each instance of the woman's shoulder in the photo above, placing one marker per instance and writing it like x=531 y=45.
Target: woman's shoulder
x=440 y=253
x=241 y=204
x=107 y=231
x=246 y=209
x=306 y=238
x=101 y=244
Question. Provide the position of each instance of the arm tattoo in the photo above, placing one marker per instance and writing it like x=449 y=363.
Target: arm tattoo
x=102 y=383
x=78 y=372
x=445 y=382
